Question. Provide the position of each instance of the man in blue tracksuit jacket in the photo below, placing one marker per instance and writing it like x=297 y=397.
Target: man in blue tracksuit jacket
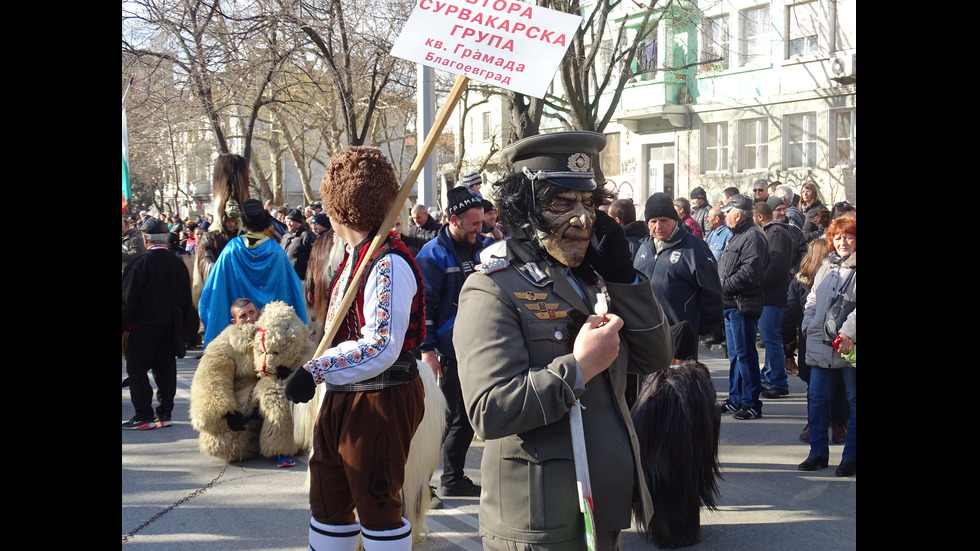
x=444 y=263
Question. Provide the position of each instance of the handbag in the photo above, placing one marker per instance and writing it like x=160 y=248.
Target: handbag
x=837 y=311
x=750 y=306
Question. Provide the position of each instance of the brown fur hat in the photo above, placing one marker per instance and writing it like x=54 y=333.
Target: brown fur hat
x=358 y=188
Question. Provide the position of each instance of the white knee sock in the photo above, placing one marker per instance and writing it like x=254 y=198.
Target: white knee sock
x=326 y=537
x=399 y=539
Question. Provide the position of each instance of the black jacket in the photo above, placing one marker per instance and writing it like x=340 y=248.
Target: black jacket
x=426 y=231
x=297 y=246
x=636 y=231
x=782 y=252
x=700 y=215
x=156 y=290
x=741 y=267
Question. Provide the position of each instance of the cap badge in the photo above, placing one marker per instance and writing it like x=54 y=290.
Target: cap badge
x=579 y=162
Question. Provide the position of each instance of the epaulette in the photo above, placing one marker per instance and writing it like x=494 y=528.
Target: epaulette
x=494 y=265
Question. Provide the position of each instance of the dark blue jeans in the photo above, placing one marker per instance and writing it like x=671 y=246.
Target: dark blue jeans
x=818 y=397
x=770 y=332
x=744 y=377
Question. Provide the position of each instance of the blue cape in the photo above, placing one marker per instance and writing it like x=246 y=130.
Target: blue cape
x=262 y=274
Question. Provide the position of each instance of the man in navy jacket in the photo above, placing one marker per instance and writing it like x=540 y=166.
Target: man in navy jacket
x=681 y=268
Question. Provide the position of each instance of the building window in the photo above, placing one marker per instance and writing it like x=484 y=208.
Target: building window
x=609 y=156
x=801 y=140
x=487 y=133
x=754 y=36
x=605 y=56
x=802 y=26
x=714 y=44
x=715 y=147
x=644 y=62
x=844 y=136
x=753 y=136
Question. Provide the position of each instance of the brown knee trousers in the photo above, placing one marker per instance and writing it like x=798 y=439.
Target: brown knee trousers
x=360 y=446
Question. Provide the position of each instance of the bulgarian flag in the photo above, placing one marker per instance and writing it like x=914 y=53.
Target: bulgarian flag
x=126 y=191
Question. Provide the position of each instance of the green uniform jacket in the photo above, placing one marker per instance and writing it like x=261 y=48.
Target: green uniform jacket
x=513 y=337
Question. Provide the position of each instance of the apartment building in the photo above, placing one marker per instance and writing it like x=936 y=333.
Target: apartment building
x=729 y=91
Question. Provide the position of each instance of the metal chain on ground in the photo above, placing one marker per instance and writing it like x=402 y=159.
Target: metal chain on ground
x=234 y=448
x=177 y=503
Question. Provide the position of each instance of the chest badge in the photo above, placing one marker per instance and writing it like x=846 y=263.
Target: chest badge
x=530 y=295
x=675 y=257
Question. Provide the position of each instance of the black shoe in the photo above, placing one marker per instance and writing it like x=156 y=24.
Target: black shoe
x=813 y=463
x=463 y=487
x=847 y=468
x=747 y=413
x=434 y=501
x=727 y=407
x=774 y=392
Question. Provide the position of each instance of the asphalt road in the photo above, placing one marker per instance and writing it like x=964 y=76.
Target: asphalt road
x=175 y=498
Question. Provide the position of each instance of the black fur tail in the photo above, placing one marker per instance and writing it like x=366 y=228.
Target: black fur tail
x=678 y=428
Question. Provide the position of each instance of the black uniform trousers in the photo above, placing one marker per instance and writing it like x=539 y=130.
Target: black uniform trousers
x=151 y=348
x=459 y=432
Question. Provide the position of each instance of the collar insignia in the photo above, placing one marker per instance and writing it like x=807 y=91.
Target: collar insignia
x=494 y=265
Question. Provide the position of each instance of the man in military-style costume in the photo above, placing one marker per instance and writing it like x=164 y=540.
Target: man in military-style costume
x=530 y=345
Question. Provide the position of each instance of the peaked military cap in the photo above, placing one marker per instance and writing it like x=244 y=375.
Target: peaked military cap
x=562 y=158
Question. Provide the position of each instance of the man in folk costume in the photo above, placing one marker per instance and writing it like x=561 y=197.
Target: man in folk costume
x=375 y=399
x=251 y=265
x=532 y=342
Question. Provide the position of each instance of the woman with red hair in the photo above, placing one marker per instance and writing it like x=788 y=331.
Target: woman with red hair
x=830 y=329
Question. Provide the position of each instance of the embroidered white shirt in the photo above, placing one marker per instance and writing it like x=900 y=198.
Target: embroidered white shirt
x=388 y=293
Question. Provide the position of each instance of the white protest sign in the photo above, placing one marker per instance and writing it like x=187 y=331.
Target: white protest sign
x=514 y=45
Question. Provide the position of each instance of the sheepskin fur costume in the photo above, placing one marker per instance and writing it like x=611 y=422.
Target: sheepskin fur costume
x=238 y=373
x=358 y=188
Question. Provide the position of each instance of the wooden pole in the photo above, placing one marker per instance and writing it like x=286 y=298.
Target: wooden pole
x=420 y=158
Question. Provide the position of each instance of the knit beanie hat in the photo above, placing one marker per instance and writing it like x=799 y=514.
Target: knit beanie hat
x=461 y=199
x=296 y=215
x=660 y=205
x=470 y=179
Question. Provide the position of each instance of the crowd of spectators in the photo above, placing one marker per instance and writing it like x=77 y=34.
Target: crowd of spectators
x=764 y=247
x=742 y=274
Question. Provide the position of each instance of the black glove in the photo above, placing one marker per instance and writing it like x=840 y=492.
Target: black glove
x=282 y=372
x=300 y=386
x=236 y=421
x=609 y=253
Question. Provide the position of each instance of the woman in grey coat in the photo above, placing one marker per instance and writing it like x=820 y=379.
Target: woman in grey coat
x=825 y=351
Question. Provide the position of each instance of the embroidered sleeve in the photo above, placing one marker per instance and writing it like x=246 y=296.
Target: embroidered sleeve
x=388 y=295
